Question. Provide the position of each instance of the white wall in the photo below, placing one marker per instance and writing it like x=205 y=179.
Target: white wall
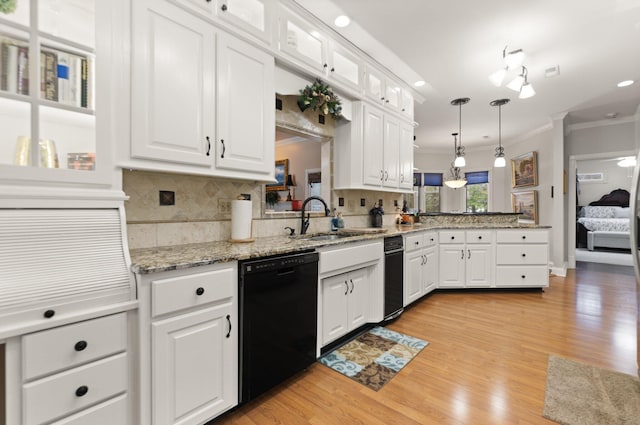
x=614 y=178
x=600 y=137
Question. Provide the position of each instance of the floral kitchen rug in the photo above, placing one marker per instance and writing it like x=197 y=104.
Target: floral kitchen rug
x=374 y=357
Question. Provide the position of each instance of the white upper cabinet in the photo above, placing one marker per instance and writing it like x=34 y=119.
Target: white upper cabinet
x=406 y=104
x=301 y=41
x=393 y=95
x=406 y=156
x=246 y=108
x=253 y=16
x=374 y=84
x=391 y=152
x=373 y=146
x=173 y=87
x=54 y=94
x=345 y=66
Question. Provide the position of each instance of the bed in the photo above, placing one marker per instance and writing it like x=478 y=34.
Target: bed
x=605 y=223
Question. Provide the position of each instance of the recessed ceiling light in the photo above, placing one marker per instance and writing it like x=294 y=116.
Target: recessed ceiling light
x=625 y=83
x=342 y=21
x=419 y=83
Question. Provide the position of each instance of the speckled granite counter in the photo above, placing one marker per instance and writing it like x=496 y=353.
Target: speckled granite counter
x=151 y=260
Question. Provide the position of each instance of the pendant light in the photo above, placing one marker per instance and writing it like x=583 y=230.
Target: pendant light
x=459 y=161
x=455 y=180
x=499 y=162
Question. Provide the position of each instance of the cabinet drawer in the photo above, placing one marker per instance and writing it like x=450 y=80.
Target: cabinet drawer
x=479 y=236
x=451 y=236
x=514 y=276
x=60 y=394
x=430 y=239
x=522 y=236
x=168 y=295
x=522 y=254
x=413 y=242
x=110 y=412
x=349 y=257
x=60 y=348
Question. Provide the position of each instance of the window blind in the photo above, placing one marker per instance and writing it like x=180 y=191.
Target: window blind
x=477 y=177
x=432 y=179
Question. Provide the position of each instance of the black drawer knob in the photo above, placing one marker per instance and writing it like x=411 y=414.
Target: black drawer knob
x=49 y=314
x=453 y=237
x=524 y=237
x=417 y=243
x=199 y=291
x=524 y=255
x=523 y=276
x=224 y=8
x=80 y=345
x=479 y=237
x=431 y=239
x=81 y=391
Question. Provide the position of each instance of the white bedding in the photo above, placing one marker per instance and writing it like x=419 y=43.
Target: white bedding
x=605 y=224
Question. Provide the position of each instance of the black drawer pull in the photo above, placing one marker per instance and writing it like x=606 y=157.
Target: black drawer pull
x=417 y=243
x=224 y=8
x=49 y=314
x=229 y=322
x=200 y=291
x=208 y=146
x=81 y=391
x=453 y=237
x=80 y=345
x=523 y=276
x=524 y=237
x=479 y=237
x=524 y=255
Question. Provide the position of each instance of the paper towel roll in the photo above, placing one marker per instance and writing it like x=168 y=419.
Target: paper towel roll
x=240 y=220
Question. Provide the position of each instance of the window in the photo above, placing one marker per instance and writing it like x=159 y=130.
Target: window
x=477 y=191
x=432 y=183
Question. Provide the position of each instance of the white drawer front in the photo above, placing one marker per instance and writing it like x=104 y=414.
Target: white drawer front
x=451 y=236
x=522 y=236
x=60 y=348
x=349 y=256
x=110 y=412
x=413 y=242
x=169 y=295
x=515 y=276
x=522 y=254
x=479 y=236
x=60 y=394
x=430 y=239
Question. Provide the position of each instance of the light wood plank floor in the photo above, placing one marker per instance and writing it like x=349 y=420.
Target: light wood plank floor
x=486 y=362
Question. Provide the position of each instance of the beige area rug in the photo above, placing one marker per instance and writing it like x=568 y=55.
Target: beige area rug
x=579 y=394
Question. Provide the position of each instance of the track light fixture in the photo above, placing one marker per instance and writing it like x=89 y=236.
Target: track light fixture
x=499 y=161
x=521 y=85
x=512 y=60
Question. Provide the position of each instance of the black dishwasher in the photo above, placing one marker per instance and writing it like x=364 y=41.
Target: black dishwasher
x=278 y=301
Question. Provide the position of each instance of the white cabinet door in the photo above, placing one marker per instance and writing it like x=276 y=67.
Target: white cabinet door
x=406 y=104
x=173 y=86
x=391 y=152
x=373 y=145
x=430 y=270
x=479 y=264
x=374 y=84
x=406 y=156
x=194 y=366
x=452 y=266
x=335 y=292
x=345 y=66
x=252 y=16
x=301 y=41
x=413 y=264
x=246 y=113
x=393 y=94
x=358 y=299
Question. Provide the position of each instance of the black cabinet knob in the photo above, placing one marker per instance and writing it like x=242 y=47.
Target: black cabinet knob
x=523 y=276
x=80 y=345
x=199 y=291
x=82 y=390
x=524 y=255
x=524 y=237
x=479 y=237
x=224 y=8
x=49 y=314
x=453 y=237
x=431 y=239
x=417 y=243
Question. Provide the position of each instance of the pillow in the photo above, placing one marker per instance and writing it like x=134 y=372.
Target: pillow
x=621 y=212
x=598 y=212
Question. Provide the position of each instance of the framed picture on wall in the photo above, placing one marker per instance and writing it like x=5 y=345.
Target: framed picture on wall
x=282 y=171
x=527 y=204
x=524 y=170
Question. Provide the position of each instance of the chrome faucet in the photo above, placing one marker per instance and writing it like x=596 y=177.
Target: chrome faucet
x=304 y=224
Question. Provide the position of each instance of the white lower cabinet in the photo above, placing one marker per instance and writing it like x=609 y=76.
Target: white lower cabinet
x=522 y=258
x=466 y=259
x=344 y=303
x=77 y=373
x=188 y=344
x=421 y=265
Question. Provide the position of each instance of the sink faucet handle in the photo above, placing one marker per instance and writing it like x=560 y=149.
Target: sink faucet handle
x=292 y=231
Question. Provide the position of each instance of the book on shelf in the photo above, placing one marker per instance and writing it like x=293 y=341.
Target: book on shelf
x=81 y=161
x=65 y=78
x=49 y=75
x=23 y=70
x=14 y=66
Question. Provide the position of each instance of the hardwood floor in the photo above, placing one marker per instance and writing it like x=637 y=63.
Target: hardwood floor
x=486 y=362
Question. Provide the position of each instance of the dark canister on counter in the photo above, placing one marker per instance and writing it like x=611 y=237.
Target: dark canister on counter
x=376 y=214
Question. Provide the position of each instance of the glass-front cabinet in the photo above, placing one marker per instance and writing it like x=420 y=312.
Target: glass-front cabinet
x=48 y=58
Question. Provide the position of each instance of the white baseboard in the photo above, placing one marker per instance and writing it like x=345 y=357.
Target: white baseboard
x=559 y=271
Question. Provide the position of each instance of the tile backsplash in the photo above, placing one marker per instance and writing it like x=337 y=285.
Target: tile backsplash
x=202 y=210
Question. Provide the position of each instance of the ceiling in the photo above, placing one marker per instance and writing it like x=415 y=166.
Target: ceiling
x=455 y=45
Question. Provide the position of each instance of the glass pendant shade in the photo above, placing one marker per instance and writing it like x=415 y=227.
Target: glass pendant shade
x=526 y=91
x=459 y=161
x=499 y=162
x=455 y=184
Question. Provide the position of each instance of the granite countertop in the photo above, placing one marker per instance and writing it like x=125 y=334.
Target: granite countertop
x=152 y=260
